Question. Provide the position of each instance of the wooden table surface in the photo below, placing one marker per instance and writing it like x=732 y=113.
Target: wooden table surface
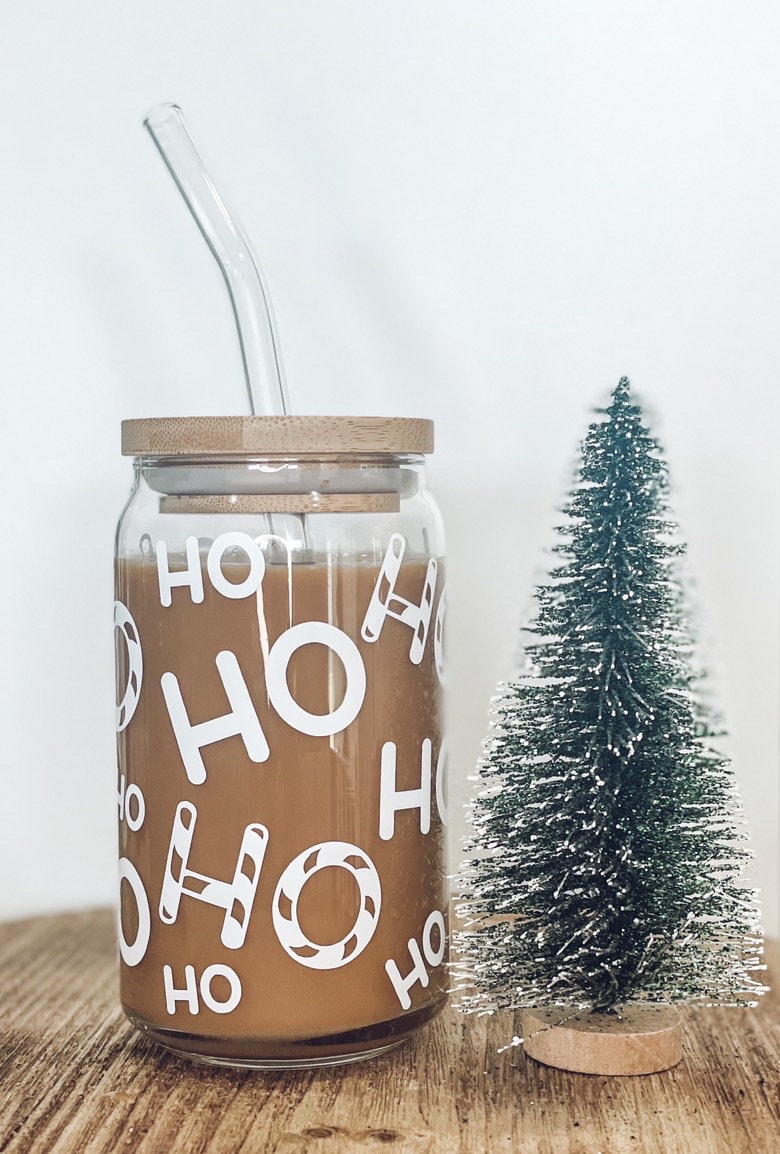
x=76 y=1078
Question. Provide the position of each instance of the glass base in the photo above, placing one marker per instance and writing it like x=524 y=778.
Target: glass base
x=297 y=1054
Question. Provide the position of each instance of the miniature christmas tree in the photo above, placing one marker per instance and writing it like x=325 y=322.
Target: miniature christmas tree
x=605 y=862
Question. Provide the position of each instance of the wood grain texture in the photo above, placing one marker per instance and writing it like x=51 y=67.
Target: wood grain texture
x=75 y=1078
x=283 y=503
x=640 y=1040
x=295 y=435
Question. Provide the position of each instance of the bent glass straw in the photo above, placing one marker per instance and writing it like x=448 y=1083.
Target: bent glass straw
x=259 y=341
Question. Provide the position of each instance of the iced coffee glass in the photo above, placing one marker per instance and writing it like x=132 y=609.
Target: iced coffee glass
x=279 y=622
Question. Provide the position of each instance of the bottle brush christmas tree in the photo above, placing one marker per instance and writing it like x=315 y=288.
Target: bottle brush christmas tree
x=606 y=856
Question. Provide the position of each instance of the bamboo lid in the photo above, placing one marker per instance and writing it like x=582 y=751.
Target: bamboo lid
x=262 y=436
x=282 y=503
x=643 y=1039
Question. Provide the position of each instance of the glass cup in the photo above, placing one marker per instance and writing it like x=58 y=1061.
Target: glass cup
x=279 y=619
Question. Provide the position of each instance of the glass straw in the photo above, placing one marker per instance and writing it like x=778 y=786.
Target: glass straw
x=259 y=341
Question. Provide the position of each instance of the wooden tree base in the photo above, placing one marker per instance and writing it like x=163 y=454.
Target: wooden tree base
x=637 y=1040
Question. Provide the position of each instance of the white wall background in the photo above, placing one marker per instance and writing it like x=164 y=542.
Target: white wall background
x=485 y=213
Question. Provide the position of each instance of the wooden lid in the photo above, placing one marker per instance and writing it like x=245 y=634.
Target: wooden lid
x=282 y=503
x=262 y=436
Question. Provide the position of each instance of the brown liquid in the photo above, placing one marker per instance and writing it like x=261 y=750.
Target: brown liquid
x=310 y=790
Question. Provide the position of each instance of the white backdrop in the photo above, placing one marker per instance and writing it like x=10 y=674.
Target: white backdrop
x=482 y=213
